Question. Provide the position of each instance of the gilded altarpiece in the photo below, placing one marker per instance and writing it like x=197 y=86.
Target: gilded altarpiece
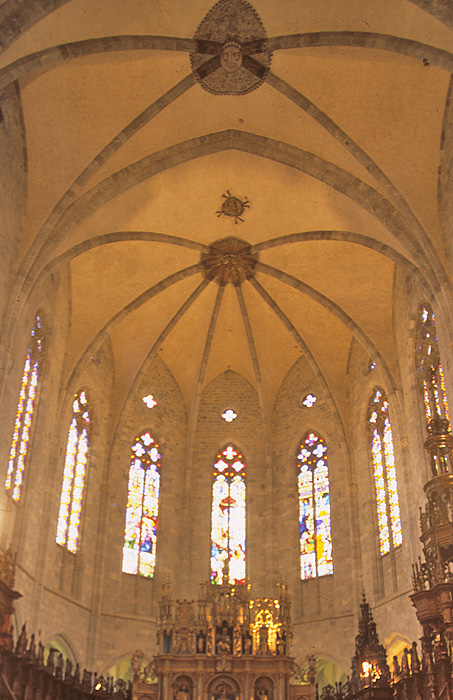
x=224 y=646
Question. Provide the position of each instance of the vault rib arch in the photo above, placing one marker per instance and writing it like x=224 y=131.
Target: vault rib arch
x=52 y=56
x=330 y=306
x=362 y=157
x=332 y=175
x=141 y=299
x=70 y=196
x=340 y=180
x=289 y=325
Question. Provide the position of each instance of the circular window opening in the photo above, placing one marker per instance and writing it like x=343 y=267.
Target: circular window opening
x=229 y=415
x=308 y=401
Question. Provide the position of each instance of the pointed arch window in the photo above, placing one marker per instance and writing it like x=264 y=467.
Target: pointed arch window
x=383 y=459
x=24 y=413
x=140 y=532
x=228 y=518
x=429 y=367
x=74 y=474
x=314 y=508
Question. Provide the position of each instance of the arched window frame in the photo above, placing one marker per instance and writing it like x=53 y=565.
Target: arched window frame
x=228 y=524
x=74 y=474
x=430 y=375
x=25 y=412
x=315 y=529
x=384 y=471
x=142 y=509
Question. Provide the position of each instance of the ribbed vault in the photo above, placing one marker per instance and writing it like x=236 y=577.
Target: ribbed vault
x=233 y=231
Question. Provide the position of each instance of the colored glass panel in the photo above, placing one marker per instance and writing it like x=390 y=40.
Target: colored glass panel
x=315 y=530
x=379 y=482
x=228 y=518
x=142 y=509
x=429 y=366
x=443 y=390
x=392 y=488
x=68 y=525
x=383 y=459
x=24 y=413
x=150 y=401
x=229 y=415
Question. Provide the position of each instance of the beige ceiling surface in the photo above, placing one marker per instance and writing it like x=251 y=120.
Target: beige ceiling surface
x=391 y=105
x=81 y=19
x=183 y=201
x=362 y=167
x=259 y=112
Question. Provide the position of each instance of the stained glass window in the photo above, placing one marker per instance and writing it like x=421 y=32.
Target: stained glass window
x=24 y=413
x=74 y=474
x=383 y=458
x=150 y=401
x=429 y=367
x=228 y=518
x=229 y=415
x=309 y=401
x=314 y=508
x=140 y=532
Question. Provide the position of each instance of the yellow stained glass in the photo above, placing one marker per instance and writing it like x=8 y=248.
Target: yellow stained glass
x=315 y=533
x=228 y=518
x=383 y=459
x=68 y=525
x=429 y=367
x=24 y=413
x=140 y=531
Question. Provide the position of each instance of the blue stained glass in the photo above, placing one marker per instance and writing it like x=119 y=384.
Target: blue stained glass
x=140 y=532
x=74 y=475
x=228 y=518
x=383 y=458
x=314 y=509
x=24 y=413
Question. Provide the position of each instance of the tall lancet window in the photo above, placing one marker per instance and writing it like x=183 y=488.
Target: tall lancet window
x=429 y=367
x=24 y=413
x=383 y=458
x=228 y=518
x=314 y=508
x=140 y=532
x=74 y=474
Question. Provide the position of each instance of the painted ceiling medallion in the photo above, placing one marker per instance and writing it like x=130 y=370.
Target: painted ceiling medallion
x=229 y=260
x=233 y=207
x=231 y=56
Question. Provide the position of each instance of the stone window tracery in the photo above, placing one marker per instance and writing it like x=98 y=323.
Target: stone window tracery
x=140 y=531
x=429 y=367
x=384 y=469
x=228 y=518
x=74 y=474
x=314 y=508
x=24 y=412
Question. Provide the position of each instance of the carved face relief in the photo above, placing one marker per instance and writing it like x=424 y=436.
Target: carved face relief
x=231 y=57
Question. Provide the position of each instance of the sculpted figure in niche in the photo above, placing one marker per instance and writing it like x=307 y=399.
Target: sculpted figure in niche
x=223 y=691
x=237 y=638
x=209 y=642
x=247 y=643
x=263 y=647
x=182 y=692
x=263 y=689
x=200 y=643
x=280 y=645
x=224 y=643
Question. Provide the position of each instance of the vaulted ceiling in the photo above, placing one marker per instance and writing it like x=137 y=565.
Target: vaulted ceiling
x=332 y=160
